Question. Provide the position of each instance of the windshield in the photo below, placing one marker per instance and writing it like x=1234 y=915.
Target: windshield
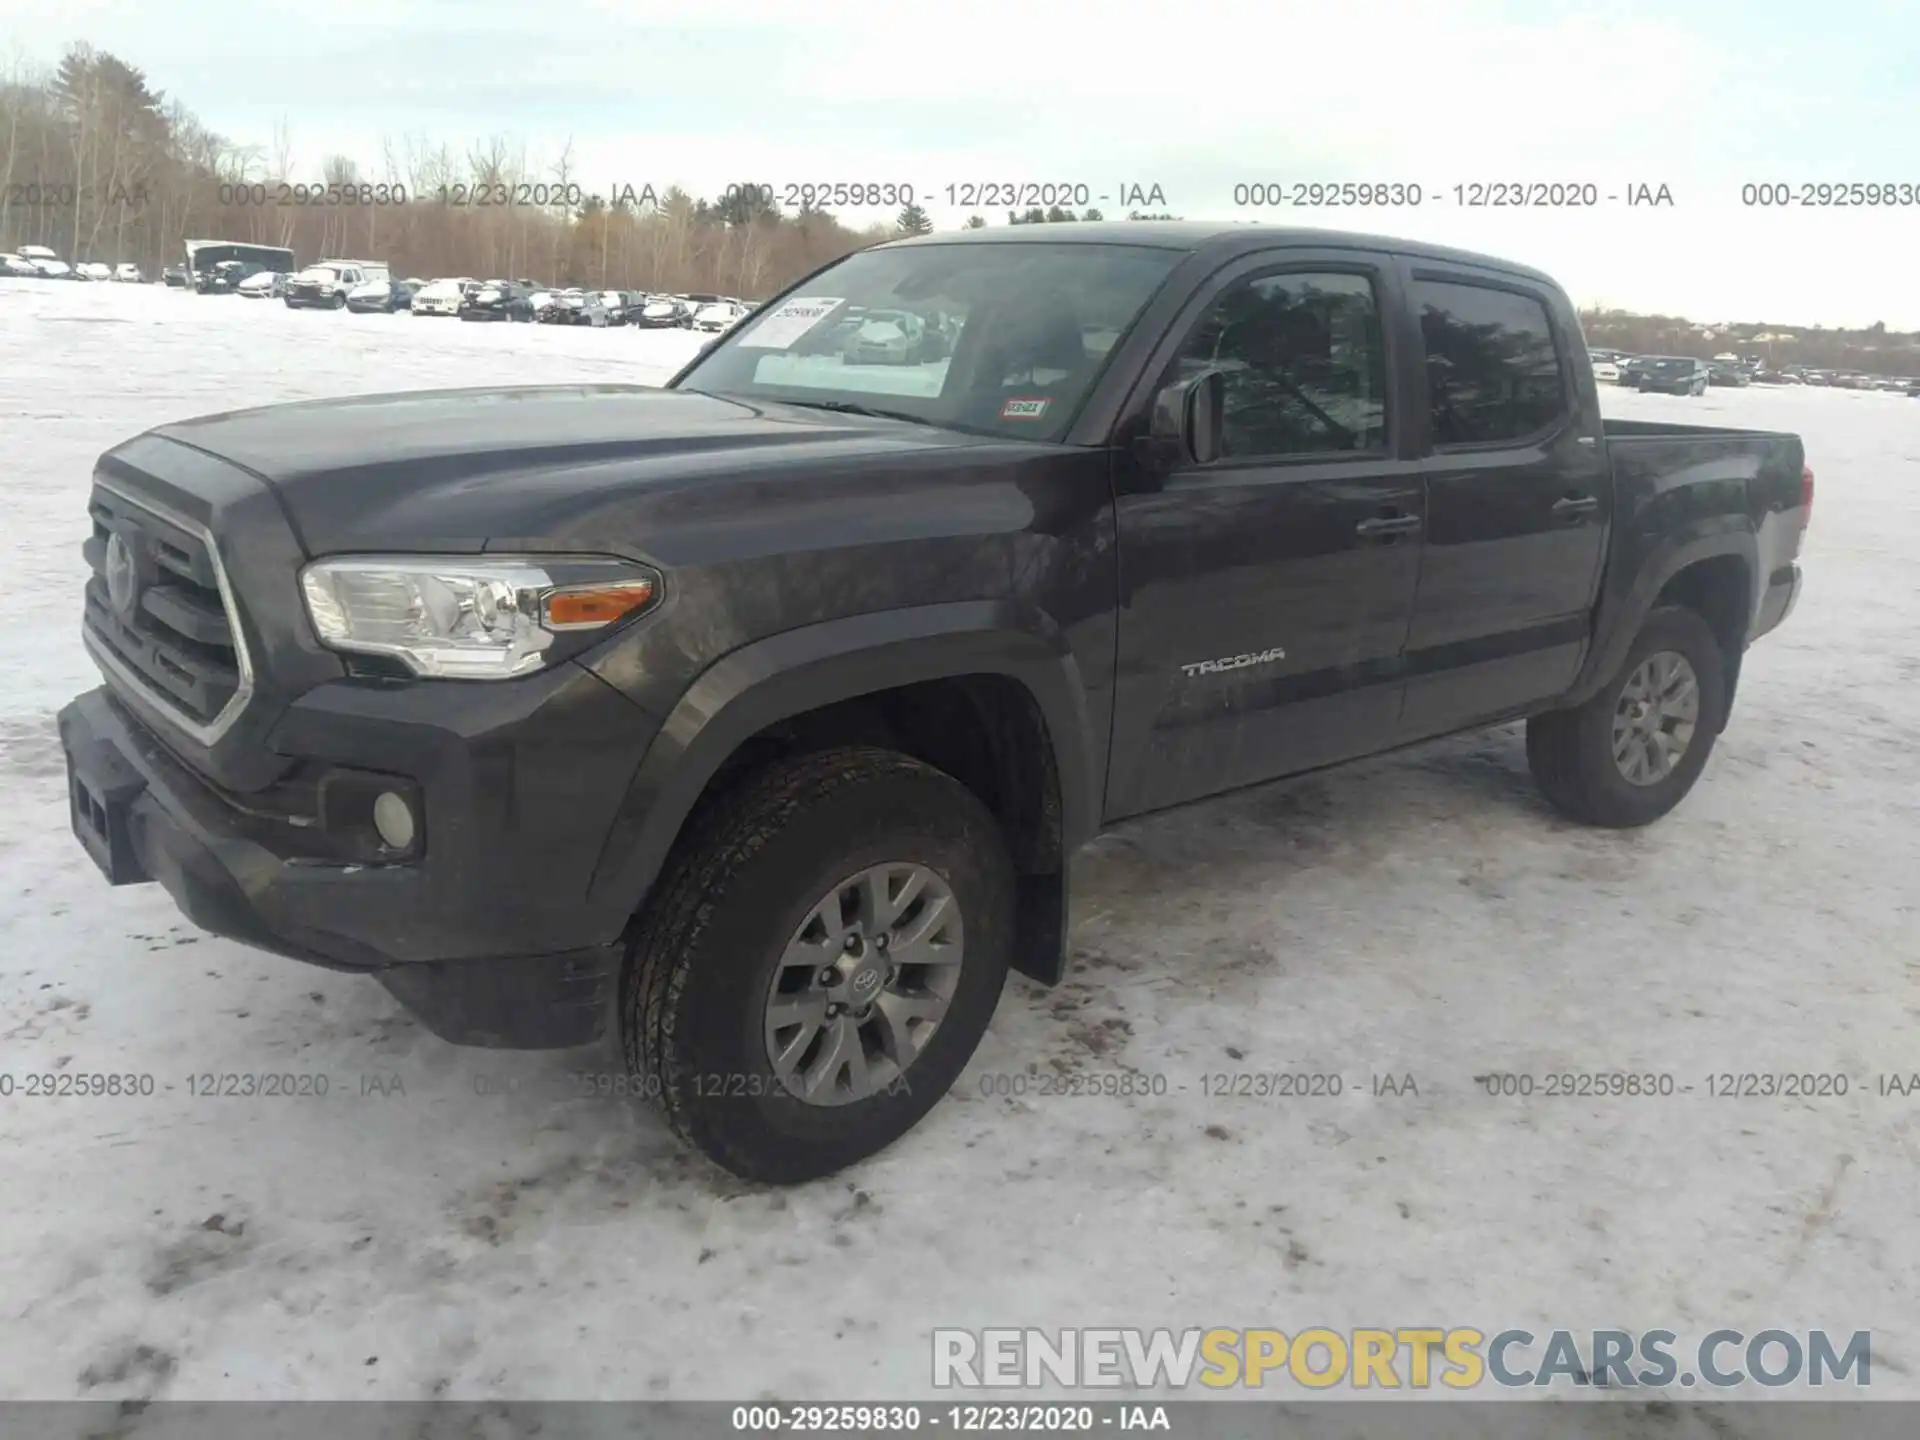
x=1004 y=338
x=319 y=272
x=1667 y=362
x=442 y=290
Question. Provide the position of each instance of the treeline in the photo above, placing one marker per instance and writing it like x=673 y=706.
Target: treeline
x=1874 y=350
x=98 y=165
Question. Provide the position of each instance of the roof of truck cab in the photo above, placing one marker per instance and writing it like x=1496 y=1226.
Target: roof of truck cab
x=1224 y=239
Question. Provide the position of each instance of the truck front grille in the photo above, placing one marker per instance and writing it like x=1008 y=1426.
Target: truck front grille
x=173 y=638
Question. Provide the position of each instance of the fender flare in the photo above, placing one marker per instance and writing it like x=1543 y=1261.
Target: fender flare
x=1621 y=617
x=799 y=670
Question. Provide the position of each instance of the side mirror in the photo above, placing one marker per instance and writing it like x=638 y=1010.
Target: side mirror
x=1189 y=417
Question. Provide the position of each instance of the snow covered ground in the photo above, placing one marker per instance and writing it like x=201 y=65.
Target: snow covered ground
x=1421 y=916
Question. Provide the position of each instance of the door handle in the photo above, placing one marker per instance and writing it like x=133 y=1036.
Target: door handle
x=1576 y=505
x=1387 y=525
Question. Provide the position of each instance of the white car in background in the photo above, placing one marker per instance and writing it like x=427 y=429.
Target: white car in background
x=720 y=316
x=17 y=265
x=441 y=297
x=128 y=273
x=1606 y=372
x=887 y=337
x=46 y=264
x=263 y=285
x=93 y=270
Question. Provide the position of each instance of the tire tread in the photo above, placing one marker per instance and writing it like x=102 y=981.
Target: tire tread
x=666 y=943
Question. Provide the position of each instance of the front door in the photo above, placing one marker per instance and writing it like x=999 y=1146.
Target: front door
x=1265 y=596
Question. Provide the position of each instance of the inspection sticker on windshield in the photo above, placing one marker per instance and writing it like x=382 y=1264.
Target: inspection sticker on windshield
x=1024 y=409
x=792 y=320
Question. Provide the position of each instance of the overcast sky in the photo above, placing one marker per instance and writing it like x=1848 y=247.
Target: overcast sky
x=1700 y=97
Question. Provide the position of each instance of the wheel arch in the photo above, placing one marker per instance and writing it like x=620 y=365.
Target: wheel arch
x=1716 y=573
x=844 y=679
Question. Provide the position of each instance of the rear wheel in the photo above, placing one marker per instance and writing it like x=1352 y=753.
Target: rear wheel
x=819 y=962
x=1632 y=752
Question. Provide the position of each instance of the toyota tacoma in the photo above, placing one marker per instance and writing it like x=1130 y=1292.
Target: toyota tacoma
x=750 y=722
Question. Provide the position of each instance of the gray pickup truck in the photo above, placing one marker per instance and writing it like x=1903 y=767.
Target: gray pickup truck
x=752 y=721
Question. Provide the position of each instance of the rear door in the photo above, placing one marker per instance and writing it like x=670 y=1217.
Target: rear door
x=1518 y=497
x=1265 y=596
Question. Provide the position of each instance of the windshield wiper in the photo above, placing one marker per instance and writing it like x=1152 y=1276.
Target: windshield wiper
x=847 y=407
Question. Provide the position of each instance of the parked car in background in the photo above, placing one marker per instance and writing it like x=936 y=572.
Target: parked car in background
x=1672 y=375
x=94 y=270
x=616 y=303
x=888 y=337
x=325 y=286
x=1605 y=372
x=581 y=307
x=1630 y=366
x=228 y=276
x=507 y=300
x=17 y=266
x=174 y=277
x=719 y=316
x=263 y=285
x=441 y=297
x=46 y=264
x=662 y=312
x=382 y=296
x=127 y=273
x=1729 y=373
x=557 y=310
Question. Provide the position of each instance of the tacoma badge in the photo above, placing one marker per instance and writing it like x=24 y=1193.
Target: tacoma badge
x=1234 y=662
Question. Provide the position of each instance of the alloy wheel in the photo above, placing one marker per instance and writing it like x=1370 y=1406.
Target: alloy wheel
x=864 y=983
x=1654 y=718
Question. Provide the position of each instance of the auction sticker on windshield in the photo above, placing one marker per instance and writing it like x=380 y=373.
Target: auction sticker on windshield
x=780 y=329
x=1024 y=409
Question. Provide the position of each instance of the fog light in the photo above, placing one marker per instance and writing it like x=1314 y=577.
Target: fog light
x=393 y=819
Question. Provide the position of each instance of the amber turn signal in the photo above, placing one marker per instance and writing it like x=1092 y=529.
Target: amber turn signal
x=585 y=606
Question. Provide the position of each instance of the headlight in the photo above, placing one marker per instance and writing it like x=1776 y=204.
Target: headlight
x=469 y=618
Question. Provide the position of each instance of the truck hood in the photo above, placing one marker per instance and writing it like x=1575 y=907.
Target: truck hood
x=550 y=467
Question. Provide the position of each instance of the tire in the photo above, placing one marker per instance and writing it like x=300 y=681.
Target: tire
x=1572 y=752
x=736 y=897
x=339 y=302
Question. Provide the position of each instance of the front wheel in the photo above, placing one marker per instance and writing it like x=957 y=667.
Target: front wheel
x=819 y=962
x=1631 y=753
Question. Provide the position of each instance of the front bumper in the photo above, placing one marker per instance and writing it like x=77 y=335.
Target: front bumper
x=487 y=935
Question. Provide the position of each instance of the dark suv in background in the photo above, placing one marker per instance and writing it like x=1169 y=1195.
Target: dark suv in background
x=1672 y=375
x=498 y=300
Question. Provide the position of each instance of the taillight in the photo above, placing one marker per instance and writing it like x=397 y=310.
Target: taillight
x=1806 y=495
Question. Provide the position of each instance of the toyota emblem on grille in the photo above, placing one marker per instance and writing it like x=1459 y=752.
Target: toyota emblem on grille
x=123 y=578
